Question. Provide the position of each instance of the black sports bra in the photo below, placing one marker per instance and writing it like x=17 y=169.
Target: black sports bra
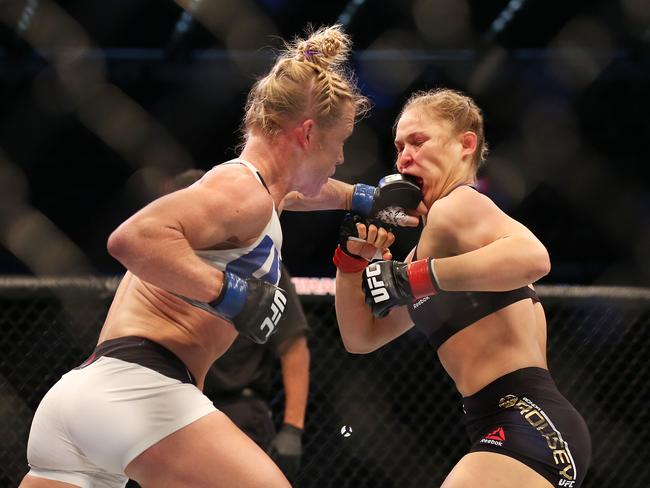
x=441 y=316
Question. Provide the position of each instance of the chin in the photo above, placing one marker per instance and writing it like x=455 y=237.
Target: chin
x=428 y=200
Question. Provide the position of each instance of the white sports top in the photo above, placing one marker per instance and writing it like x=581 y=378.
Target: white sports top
x=262 y=258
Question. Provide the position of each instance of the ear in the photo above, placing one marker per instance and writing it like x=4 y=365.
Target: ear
x=469 y=141
x=305 y=133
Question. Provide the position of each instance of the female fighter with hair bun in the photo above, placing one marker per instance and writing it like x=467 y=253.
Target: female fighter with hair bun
x=202 y=266
x=467 y=287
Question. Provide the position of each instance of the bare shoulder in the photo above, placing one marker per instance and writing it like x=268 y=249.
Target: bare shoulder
x=463 y=220
x=462 y=207
x=237 y=182
x=463 y=204
x=234 y=197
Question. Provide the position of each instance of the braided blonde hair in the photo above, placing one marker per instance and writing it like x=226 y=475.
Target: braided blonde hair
x=309 y=79
x=459 y=110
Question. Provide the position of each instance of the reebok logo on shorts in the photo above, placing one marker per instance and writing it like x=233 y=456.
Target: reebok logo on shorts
x=496 y=437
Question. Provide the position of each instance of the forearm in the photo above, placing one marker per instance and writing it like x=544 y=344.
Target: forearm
x=355 y=319
x=295 y=378
x=163 y=257
x=505 y=264
x=335 y=195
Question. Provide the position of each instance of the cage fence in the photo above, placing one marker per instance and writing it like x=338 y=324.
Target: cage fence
x=389 y=419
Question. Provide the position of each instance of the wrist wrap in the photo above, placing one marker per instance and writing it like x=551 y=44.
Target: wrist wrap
x=363 y=198
x=232 y=298
x=347 y=263
x=421 y=278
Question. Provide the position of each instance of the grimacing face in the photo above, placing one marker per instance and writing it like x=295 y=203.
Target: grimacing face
x=428 y=150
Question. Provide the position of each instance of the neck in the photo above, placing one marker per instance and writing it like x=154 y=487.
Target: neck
x=454 y=180
x=272 y=162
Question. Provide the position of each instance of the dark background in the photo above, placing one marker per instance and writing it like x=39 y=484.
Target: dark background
x=100 y=102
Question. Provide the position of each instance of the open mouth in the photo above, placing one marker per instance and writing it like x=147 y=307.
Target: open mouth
x=415 y=179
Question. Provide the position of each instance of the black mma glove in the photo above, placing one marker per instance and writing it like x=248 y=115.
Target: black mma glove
x=343 y=258
x=388 y=201
x=253 y=306
x=391 y=283
x=286 y=450
x=347 y=229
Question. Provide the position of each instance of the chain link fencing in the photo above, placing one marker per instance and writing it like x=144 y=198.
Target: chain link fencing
x=389 y=419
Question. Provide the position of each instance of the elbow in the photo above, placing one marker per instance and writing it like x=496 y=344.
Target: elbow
x=119 y=245
x=543 y=263
x=357 y=348
x=540 y=265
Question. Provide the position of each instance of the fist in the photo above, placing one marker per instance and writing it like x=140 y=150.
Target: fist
x=392 y=202
x=386 y=285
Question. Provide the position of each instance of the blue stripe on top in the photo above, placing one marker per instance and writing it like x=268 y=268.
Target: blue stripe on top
x=249 y=263
x=273 y=276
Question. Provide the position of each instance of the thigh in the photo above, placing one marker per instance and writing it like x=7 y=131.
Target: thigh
x=210 y=452
x=492 y=470
x=253 y=416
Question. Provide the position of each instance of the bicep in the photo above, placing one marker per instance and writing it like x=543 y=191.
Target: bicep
x=484 y=249
x=498 y=229
x=201 y=215
x=467 y=223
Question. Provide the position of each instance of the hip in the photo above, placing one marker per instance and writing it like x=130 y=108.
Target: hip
x=523 y=415
x=104 y=413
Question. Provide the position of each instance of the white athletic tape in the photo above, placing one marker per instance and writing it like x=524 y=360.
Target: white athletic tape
x=378 y=254
x=393 y=216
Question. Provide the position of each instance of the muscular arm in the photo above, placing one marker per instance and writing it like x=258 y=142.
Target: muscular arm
x=294 y=360
x=480 y=248
x=335 y=195
x=510 y=262
x=157 y=243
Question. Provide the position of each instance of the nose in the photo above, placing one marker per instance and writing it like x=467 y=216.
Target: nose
x=404 y=160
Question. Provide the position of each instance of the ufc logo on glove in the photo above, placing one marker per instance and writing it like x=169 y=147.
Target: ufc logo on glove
x=375 y=285
x=277 y=309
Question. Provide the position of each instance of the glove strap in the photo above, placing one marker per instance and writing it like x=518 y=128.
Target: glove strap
x=422 y=279
x=232 y=298
x=292 y=429
x=347 y=263
x=363 y=197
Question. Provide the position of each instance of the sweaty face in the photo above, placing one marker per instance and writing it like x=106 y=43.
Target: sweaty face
x=427 y=150
x=327 y=150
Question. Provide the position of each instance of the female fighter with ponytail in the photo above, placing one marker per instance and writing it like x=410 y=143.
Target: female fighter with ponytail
x=202 y=266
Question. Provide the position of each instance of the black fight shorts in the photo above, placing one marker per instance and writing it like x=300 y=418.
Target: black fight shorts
x=523 y=415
